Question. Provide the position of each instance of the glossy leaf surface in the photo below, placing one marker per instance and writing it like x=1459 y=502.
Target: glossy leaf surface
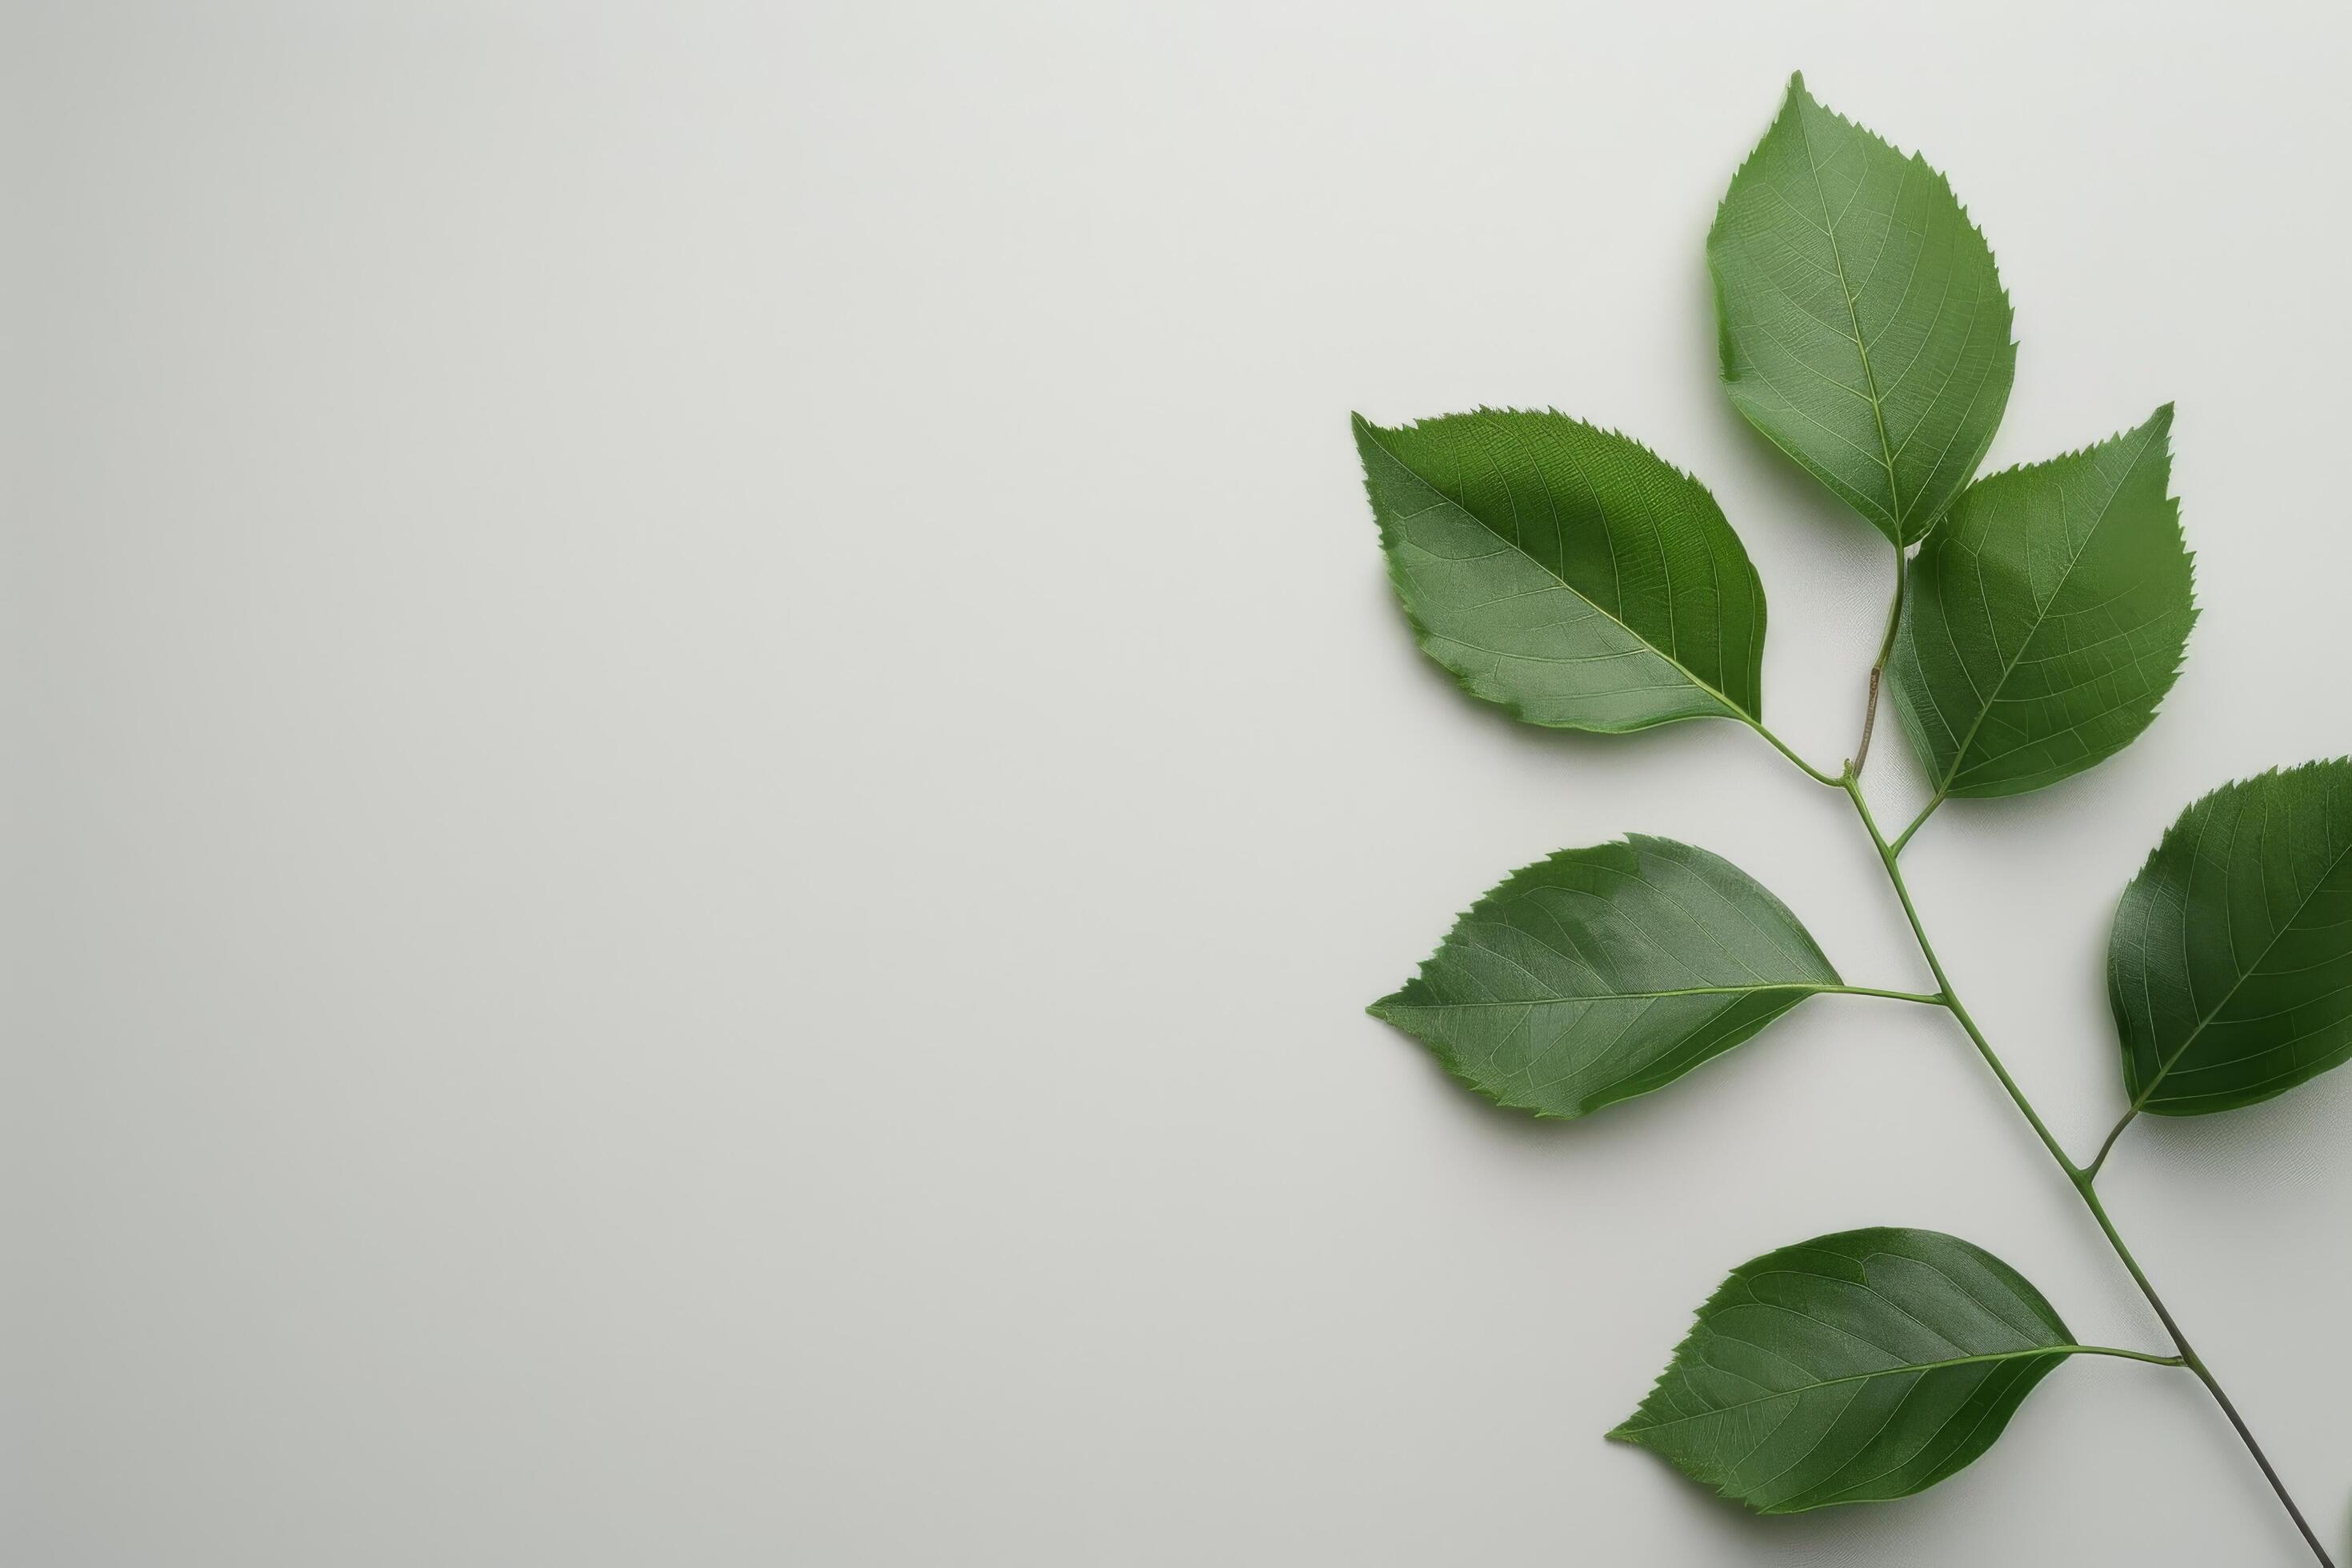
x=1863 y=327
x=1568 y=573
x=2046 y=618
x=1851 y=1368
x=1601 y=974
x=2230 y=964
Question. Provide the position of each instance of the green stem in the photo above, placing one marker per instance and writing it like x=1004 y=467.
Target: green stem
x=2194 y=1362
x=1935 y=966
x=2077 y=1175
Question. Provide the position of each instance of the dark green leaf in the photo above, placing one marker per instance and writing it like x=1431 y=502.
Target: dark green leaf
x=1565 y=572
x=2230 y=968
x=1601 y=973
x=2046 y=617
x=1865 y=330
x=1852 y=1368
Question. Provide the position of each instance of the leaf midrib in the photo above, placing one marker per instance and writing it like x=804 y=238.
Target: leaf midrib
x=2009 y=667
x=1733 y=708
x=1907 y=1370
x=1853 y=320
x=2164 y=1068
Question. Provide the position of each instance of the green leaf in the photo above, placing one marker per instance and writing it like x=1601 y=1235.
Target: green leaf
x=2046 y=617
x=1851 y=1368
x=1601 y=973
x=1865 y=330
x=2230 y=966
x=1565 y=572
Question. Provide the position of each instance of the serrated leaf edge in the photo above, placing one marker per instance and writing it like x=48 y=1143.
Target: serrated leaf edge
x=2139 y=1104
x=1722 y=329
x=1448 y=1059
x=1949 y=785
x=1626 y=1433
x=1364 y=429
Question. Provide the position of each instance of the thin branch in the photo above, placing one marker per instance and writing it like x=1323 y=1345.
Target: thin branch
x=2079 y=1178
x=1952 y=1001
x=2196 y=1364
x=1878 y=669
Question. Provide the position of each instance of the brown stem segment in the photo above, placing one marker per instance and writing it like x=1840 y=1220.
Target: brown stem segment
x=1878 y=667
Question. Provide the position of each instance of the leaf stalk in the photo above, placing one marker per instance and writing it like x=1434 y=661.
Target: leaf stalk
x=1918 y=822
x=2090 y=1170
x=2148 y=1356
x=1925 y=998
x=1783 y=747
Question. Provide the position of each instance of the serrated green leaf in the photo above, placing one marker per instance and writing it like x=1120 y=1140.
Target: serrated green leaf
x=1568 y=573
x=1865 y=329
x=1851 y=1368
x=1601 y=974
x=2230 y=965
x=2046 y=618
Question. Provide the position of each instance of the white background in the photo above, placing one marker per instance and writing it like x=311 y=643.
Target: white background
x=706 y=760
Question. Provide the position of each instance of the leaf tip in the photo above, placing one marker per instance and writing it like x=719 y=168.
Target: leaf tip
x=1634 y=1431
x=1370 y=440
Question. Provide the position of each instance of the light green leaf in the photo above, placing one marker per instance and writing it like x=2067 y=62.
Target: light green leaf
x=2046 y=617
x=2230 y=966
x=1565 y=572
x=1851 y=1368
x=1601 y=973
x=1865 y=330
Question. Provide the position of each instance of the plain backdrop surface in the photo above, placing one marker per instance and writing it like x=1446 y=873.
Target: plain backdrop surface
x=706 y=760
